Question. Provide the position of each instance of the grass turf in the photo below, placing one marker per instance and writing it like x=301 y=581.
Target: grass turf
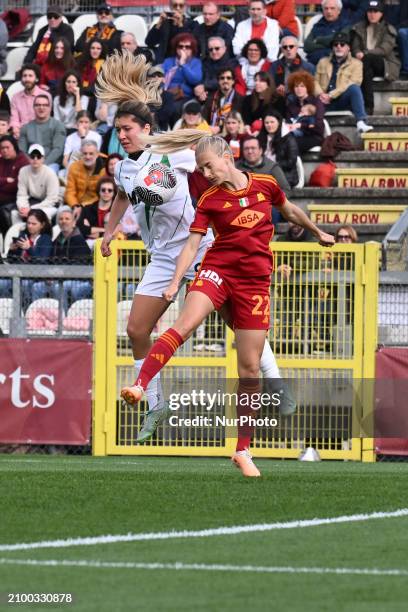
x=50 y=498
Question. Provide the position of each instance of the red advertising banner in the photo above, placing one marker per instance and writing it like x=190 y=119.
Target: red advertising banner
x=391 y=410
x=45 y=391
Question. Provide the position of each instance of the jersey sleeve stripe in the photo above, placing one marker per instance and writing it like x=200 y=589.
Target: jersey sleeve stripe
x=206 y=193
x=198 y=230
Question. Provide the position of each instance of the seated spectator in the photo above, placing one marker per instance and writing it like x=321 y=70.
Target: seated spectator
x=164 y=114
x=90 y=63
x=224 y=100
x=37 y=186
x=56 y=28
x=72 y=149
x=4 y=101
x=104 y=29
x=301 y=86
x=284 y=11
x=213 y=26
x=374 y=42
x=262 y=98
x=254 y=160
x=46 y=131
x=91 y=222
x=253 y=60
x=128 y=41
x=257 y=26
x=305 y=119
x=59 y=60
x=11 y=162
x=279 y=146
x=295 y=233
x=234 y=133
x=218 y=59
x=3 y=47
x=319 y=42
x=191 y=118
x=69 y=101
x=111 y=162
x=170 y=24
x=32 y=246
x=83 y=176
x=183 y=70
x=22 y=103
x=289 y=62
x=339 y=77
x=397 y=15
x=4 y=123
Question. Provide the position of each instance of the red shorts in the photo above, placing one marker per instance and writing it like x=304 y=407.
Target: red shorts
x=249 y=297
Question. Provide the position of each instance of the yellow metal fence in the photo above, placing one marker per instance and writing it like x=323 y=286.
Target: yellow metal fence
x=323 y=333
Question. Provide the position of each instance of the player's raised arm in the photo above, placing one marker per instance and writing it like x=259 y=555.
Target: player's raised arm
x=293 y=213
x=184 y=261
x=119 y=206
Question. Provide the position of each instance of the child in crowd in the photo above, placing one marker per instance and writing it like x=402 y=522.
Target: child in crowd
x=305 y=118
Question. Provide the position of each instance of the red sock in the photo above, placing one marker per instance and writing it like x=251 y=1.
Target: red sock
x=246 y=388
x=160 y=353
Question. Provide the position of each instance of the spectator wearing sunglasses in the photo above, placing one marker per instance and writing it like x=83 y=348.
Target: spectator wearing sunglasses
x=253 y=59
x=38 y=186
x=338 y=81
x=170 y=23
x=104 y=29
x=223 y=101
x=55 y=28
x=182 y=71
x=218 y=59
x=257 y=26
x=91 y=223
x=289 y=62
x=334 y=20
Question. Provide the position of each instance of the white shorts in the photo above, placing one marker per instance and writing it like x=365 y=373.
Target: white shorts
x=159 y=273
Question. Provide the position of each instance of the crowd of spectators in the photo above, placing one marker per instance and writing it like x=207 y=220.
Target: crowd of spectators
x=249 y=80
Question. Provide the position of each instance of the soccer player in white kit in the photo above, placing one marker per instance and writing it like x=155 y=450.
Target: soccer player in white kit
x=164 y=229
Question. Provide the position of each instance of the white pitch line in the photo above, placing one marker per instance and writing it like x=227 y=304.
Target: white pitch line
x=204 y=533
x=209 y=568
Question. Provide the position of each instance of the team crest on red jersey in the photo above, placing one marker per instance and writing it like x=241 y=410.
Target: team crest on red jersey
x=248 y=218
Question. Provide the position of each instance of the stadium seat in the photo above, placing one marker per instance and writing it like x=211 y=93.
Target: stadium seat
x=56 y=230
x=1 y=244
x=6 y=310
x=134 y=24
x=42 y=317
x=301 y=173
x=11 y=233
x=309 y=25
x=199 y=19
x=300 y=27
x=123 y=311
x=41 y=22
x=79 y=317
x=15 y=59
x=327 y=132
x=82 y=22
x=14 y=88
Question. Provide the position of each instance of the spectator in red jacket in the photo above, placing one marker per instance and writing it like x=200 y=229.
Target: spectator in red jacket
x=284 y=12
x=59 y=60
x=253 y=60
x=11 y=160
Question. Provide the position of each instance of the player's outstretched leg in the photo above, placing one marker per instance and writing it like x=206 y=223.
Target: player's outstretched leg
x=273 y=383
x=243 y=460
x=152 y=420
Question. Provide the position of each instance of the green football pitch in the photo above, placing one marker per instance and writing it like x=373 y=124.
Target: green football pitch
x=158 y=534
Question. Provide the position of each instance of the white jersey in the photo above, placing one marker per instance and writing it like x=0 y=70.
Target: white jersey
x=164 y=228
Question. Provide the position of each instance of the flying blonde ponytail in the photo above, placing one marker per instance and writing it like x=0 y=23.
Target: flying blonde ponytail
x=123 y=78
x=177 y=140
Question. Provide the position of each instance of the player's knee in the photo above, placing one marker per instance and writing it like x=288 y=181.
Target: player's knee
x=185 y=327
x=137 y=333
x=248 y=370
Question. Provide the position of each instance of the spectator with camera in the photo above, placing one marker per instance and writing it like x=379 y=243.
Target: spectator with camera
x=170 y=23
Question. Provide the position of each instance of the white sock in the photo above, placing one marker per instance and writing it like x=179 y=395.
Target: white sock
x=268 y=365
x=154 y=390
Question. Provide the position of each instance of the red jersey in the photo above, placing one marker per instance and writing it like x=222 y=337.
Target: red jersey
x=242 y=221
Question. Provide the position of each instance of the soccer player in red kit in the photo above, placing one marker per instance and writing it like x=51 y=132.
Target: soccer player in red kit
x=235 y=269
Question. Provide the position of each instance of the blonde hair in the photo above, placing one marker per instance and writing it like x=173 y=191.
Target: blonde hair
x=123 y=78
x=178 y=140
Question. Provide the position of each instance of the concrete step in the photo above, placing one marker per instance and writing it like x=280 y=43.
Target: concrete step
x=399 y=107
x=365 y=232
x=382 y=178
x=356 y=159
x=370 y=198
x=385 y=141
x=355 y=214
x=384 y=91
x=346 y=124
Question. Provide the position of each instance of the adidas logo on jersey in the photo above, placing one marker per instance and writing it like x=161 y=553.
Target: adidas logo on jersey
x=227 y=205
x=261 y=197
x=248 y=219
